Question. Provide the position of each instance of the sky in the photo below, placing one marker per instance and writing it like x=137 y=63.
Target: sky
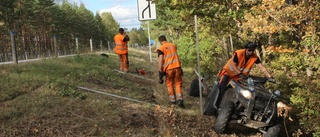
x=125 y=12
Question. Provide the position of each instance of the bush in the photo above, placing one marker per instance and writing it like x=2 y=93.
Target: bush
x=300 y=77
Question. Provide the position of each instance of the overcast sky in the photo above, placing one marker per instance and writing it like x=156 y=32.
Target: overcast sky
x=125 y=12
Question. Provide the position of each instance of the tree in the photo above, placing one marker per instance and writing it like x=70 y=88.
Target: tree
x=111 y=25
x=138 y=36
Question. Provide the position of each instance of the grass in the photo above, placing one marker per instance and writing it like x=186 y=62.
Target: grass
x=42 y=99
x=38 y=98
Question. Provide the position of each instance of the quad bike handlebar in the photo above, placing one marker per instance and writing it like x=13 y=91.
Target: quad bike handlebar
x=258 y=80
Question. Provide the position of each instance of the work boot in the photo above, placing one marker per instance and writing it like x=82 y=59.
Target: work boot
x=180 y=103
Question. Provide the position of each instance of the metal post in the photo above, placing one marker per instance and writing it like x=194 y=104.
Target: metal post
x=77 y=44
x=149 y=41
x=91 y=47
x=198 y=60
x=231 y=43
x=55 y=45
x=1 y=59
x=25 y=48
x=225 y=47
x=108 y=46
x=14 y=50
x=101 y=45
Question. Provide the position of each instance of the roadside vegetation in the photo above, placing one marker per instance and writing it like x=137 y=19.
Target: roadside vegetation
x=42 y=98
x=287 y=32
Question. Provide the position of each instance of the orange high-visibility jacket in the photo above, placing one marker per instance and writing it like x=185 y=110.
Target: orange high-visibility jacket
x=242 y=65
x=170 y=57
x=121 y=46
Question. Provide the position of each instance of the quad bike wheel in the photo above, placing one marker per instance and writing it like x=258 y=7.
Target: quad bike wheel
x=224 y=117
x=273 y=131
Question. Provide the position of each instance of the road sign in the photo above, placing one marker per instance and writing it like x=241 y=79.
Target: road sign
x=146 y=10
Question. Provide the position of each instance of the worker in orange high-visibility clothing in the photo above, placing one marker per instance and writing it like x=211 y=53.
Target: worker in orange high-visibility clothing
x=121 y=48
x=239 y=66
x=169 y=65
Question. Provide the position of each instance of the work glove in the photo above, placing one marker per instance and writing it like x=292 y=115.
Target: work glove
x=160 y=81
x=161 y=74
x=242 y=76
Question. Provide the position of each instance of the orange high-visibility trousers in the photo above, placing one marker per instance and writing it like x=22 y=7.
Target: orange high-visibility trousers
x=174 y=84
x=123 y=62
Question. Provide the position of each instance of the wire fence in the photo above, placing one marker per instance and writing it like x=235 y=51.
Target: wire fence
x=17 y=49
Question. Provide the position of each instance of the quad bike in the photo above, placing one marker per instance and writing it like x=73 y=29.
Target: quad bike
x=245 y=102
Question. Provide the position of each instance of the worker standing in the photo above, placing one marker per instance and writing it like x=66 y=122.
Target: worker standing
x=121 y=48
x=169 y=65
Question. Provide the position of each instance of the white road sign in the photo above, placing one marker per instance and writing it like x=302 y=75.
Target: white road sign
x=146 y=10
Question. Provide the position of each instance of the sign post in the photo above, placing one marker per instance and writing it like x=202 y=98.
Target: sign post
x=149 y=42
x=147 y=11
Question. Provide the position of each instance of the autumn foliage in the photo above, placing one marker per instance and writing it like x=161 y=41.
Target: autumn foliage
x=287 y=32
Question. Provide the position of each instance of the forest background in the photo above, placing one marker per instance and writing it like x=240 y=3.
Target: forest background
x=287 y=32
